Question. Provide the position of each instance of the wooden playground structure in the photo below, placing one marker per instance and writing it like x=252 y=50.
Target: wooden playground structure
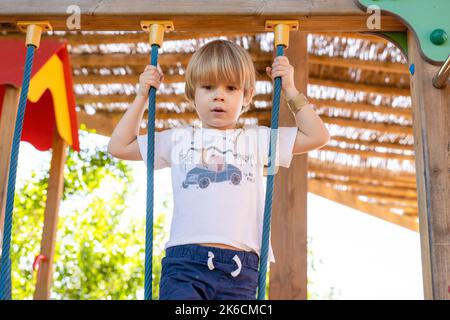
x=423 y=197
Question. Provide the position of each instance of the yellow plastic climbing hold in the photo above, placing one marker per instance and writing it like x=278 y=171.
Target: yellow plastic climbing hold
x=281 y=28
x=34 y=31
x=156 y=30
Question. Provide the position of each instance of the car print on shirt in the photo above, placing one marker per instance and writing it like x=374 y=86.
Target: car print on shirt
x=203 y=177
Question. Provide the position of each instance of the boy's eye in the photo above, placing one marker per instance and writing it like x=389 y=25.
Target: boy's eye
x=207 y=87
x=231 y=88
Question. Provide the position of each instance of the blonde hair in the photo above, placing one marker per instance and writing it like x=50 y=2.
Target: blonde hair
x=220 y=61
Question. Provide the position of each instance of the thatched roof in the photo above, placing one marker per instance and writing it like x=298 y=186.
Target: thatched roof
x=359 y=85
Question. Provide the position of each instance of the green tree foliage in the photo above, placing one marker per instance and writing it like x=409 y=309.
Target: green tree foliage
x=99 y=250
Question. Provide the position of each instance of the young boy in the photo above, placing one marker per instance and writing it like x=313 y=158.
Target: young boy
x=217 y=171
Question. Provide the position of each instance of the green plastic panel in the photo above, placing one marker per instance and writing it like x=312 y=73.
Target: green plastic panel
x=399 y=39
x=422 y=17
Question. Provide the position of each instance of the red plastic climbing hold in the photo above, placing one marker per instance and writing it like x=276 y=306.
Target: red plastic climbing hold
x=37 y=260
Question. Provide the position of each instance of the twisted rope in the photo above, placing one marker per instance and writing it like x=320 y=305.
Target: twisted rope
x=150 y=169
x=270 y=183
x=5 y=265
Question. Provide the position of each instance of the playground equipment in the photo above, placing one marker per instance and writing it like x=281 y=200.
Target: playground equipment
x=50 y=122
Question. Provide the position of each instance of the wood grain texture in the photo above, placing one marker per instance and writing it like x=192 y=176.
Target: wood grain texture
x=431 y=125
x=7 y=122
x=196 y=15
x=48 y=240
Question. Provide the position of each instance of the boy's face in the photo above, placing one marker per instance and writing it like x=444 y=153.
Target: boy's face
x=219 y=105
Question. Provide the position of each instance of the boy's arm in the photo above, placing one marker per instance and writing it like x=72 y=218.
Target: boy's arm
x=123 y=143
x=312 y=133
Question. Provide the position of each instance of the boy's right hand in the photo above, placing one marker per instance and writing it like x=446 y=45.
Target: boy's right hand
x=151 y=77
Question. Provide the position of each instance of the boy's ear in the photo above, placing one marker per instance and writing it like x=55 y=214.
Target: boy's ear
x=249 y=97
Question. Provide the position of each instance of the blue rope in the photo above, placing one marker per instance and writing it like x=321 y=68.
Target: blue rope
x=5 y=265
x=270 y=181
x=150 y=169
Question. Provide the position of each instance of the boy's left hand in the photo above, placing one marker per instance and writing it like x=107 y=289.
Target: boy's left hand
x=282 y=68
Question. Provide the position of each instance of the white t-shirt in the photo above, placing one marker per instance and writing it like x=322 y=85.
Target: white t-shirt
x=217 y=181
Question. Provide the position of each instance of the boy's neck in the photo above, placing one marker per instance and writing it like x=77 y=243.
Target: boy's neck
x=235 y=126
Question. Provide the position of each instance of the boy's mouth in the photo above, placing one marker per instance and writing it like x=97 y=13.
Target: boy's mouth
x=217 y=110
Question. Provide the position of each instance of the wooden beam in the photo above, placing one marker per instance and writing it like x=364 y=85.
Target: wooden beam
x=54 y=195
x=431 y=114
x=108 y=79
x=409 y=193
x=371 y=180
x=386 y=199
x=374 y=144
x=370 y=65
x=288 y=276
x=124 y=59
x=197 y=15
x=352 y=201
x=76 y=39
x=386 y=193
x=377 y=126
x=132 y=38
x=368 y=153
x=103 y=123
x=387 y=90
x=368 y=173
x=82 y=99
x=352 y=35
x=10 y=105
x=411 y=212
x=362 y=107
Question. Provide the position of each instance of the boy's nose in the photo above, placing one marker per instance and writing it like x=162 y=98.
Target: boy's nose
x=218 y=95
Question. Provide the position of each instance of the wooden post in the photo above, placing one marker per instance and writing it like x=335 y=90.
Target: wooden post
x=431 y=125
x=288 y=279
x=7 y=122
x=54 y=194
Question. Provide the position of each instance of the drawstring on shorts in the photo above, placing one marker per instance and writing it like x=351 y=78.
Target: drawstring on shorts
x=234 y=273
x=210 y=262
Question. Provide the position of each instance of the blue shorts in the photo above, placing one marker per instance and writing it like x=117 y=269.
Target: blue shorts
x=195 y=272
